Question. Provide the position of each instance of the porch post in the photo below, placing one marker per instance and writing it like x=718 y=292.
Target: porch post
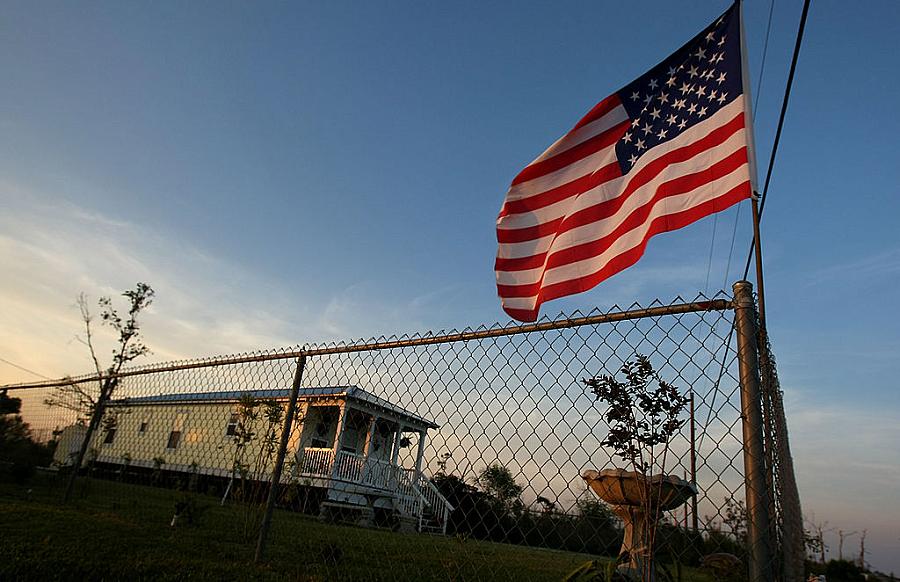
x=421 y=452
x=301 y=418
x=338 y=437
x=397 y=436
x=370 y=436
x=339 y=429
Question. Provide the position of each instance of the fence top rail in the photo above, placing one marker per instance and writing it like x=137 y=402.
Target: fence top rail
x=404 y=342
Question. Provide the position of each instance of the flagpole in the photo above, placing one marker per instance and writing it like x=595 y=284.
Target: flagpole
x=751 y=149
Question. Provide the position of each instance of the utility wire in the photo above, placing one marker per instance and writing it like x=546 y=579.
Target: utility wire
x=712 y=244
x=737 y=214
x=737 y=217
x=784 y=105
x=762 y=67
x=24 y=369
x=787 y=95
x=759 y=81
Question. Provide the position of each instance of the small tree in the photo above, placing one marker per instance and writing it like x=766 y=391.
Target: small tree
x=257 y=422
x=129 y=346
x=642 y=413
x=735 y=519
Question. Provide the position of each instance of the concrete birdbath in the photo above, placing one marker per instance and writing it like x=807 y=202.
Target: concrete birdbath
x=639 y=502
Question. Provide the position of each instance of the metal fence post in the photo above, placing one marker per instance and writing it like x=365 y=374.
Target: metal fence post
x=695 y=519
x=751 y=422
x=96 y=417
x=279 y=460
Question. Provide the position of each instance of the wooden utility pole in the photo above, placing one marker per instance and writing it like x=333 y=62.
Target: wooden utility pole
x=821 y=547
x=841 y=536
x=862 y=549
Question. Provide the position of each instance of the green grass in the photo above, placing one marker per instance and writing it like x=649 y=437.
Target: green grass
x=115 y=531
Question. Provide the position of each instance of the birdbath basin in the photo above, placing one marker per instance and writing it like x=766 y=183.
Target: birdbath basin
x=638 y=500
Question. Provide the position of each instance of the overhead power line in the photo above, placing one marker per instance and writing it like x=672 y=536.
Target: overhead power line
x=784 y=105
x=762 y=66
x=24 y=369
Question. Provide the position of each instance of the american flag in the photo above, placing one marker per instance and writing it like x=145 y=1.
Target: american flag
x=666 y=150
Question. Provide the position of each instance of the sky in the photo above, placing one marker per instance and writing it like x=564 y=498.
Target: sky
x=292 y=172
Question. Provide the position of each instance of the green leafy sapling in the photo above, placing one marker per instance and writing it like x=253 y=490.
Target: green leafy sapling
x=642 y=412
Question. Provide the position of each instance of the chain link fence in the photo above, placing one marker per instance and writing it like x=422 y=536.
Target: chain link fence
x=787 y=530
x=452 y=456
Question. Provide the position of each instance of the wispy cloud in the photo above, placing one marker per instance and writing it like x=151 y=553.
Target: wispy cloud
x=882 y=264
x=361 y=311
x=53 y=249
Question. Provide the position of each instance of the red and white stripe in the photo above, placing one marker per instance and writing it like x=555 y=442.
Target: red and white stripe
x=571 y=219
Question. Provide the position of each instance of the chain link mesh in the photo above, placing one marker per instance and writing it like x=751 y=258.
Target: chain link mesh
x=445 y=456
x=787 y=517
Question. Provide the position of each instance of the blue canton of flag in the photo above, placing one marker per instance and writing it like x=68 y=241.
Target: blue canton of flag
x=692 y=84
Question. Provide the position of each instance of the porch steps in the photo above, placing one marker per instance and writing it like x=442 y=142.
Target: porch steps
x=430 y=523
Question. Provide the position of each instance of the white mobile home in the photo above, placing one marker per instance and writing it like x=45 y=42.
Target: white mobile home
x=345 y=443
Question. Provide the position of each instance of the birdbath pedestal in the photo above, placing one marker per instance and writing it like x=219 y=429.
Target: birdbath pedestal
x=638 y=500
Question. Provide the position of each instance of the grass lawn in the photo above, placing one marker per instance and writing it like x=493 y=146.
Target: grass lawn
x=117 y=531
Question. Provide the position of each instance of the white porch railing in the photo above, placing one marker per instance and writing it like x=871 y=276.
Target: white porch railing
x=412 y=491
x=349 y=467
x=430 y=496
x=315 y=462
x=381 y=474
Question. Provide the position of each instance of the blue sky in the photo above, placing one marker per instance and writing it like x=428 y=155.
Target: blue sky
x=289 y=172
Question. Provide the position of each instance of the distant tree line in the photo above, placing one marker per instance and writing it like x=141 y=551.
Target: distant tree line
x=20 y=453
x=492 y=509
